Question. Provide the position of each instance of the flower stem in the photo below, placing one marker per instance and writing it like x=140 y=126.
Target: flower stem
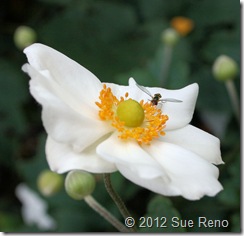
x=105 y=214
x=167 y=58
x=116 y=198
x=233 y=97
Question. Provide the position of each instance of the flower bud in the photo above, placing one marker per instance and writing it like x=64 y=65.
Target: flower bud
x=49 y=182
x=24 y=36
x=170 y=37
x=225 y=68
x=79 y=184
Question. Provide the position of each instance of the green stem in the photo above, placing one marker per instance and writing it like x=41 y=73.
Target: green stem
x=167 y=58
x=116 y=198
x=105 y=214
x=233 y=97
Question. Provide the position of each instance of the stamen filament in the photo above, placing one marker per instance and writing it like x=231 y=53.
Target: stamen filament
x=152 y=127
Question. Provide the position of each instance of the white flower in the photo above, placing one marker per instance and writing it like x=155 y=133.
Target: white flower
x=34 y=209
x=164 y=153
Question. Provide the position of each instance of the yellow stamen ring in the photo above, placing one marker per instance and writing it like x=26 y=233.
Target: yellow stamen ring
x=143 y=131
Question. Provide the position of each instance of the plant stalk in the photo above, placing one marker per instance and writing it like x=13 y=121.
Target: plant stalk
x=105 y=214
x=116 y=198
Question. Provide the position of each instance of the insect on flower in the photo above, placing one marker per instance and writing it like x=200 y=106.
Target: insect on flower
x=156 y=98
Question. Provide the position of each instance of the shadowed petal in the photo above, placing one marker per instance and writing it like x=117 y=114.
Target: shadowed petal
x=129 y=154
x=196 y=140
x=193 y=176
x=63 y=158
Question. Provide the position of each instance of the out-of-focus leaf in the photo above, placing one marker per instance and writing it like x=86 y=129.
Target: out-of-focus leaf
x=218 y=11
x=222 y=42
x=30 y=169
x=58 y=2
x=236 y=223
x=230 y=196
x=124 y=188
x=9 y=222
x=212 y=94
x=160 y=217
x=141 y=76
x=216 y=121
x=12 y=97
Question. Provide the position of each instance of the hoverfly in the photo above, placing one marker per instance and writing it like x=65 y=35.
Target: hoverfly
x=156 y=98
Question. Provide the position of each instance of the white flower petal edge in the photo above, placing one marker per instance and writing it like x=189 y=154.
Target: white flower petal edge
x=180 y=114
x=193 y=176
x=129 y=153
x=63 y=117
x=62 y=158
x=196 y=140
x=68 y=74
x=188 y=174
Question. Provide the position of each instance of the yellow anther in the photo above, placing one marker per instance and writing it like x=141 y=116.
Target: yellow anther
x=139 y=121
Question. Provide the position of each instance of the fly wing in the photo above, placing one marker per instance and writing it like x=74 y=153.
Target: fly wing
x=170 y=100
x=144 y=90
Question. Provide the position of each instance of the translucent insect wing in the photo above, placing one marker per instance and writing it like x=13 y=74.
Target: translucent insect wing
x=170 y=100
x=144 y=90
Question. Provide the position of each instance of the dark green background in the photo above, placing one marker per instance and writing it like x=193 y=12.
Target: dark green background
x=116 y=39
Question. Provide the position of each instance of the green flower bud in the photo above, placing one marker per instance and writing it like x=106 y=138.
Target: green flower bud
x=225 y=68
x=49 y=182
x=79 y=184
x=24 y=36
x=170 y=37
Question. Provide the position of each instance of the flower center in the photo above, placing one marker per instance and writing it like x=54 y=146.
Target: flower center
x=131 y=112
x=140 y=121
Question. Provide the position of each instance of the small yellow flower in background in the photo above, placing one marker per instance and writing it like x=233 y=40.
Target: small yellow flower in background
x=182 y=25
x=104 y=127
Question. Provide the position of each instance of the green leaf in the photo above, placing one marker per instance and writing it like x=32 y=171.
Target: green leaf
x=160 y=217
x=12 y=97
x=212 y=94
x=30 y=169
x=224 y=42
x=236 y=223
x=206 y=13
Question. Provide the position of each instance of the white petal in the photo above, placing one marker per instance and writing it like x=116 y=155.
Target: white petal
x=193 y=176
x=68 y=75
x=131 y=154
x=62 y=117
x=180 y=114
x=63 y=158
x=34 y=209
x=196 y=140
x=160 y=185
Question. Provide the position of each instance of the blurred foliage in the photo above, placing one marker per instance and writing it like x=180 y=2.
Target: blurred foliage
x=117 y=39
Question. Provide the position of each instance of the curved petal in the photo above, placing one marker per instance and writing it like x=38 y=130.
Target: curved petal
x=130 y=154
x=180 y=114
x=193 y=176
x=196 y=140
x=62 y=121
x=62 y=158
x=68 y=75
x=161 y=185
